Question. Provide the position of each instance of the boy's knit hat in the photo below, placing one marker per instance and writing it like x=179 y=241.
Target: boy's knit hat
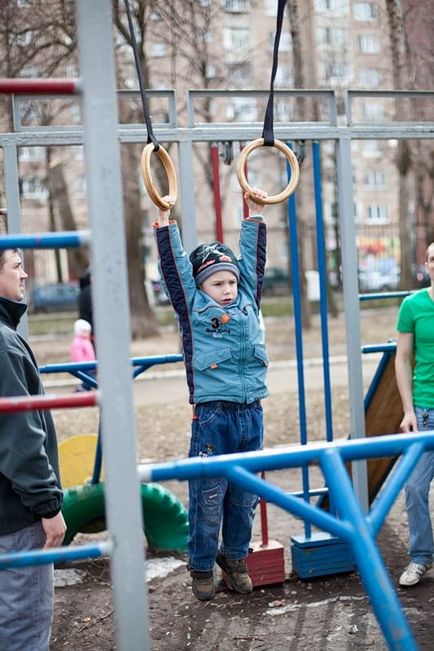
x=207 y=259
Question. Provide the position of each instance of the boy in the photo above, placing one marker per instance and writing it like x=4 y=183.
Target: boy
x=216 y=298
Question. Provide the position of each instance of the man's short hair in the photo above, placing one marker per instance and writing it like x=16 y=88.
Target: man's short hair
x=3 y=256
x=427 y=250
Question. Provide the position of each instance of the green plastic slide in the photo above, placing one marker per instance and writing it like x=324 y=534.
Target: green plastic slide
x=165 y=518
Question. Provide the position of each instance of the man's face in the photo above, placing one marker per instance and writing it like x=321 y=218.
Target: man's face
x=12 y=277
x=429 y=264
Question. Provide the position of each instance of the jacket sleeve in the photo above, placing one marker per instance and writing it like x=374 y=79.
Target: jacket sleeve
x=23 y=459
x=175 y=267
x=253 y=245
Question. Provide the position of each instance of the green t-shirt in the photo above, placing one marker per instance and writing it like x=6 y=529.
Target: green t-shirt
x=416 y=316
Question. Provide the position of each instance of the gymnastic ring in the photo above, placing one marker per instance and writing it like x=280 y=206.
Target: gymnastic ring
x=145 y=165
x=290 y=157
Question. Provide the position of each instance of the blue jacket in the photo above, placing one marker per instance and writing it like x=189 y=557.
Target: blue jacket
x=224 y=351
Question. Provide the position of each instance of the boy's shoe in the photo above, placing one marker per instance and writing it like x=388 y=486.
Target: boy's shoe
x=413 y=573
x=236 y=574
x=203 y=585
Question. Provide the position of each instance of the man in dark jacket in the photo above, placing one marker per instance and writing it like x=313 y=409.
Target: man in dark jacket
x=30 y=490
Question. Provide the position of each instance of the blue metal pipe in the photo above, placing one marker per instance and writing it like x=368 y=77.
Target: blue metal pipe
x=275 y=495
x=63 y=240
x=322 y=268
x=57 y=555
x=298 y=328
x=289 y=457
x=374 y=575
x=395 y=482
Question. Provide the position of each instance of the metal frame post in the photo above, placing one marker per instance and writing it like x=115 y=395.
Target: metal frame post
x=109 y=294
x=351 y=305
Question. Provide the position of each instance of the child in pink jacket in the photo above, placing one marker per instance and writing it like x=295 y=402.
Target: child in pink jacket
x=82 y=349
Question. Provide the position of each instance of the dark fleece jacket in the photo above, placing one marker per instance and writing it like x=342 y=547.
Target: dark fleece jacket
x=29 y=469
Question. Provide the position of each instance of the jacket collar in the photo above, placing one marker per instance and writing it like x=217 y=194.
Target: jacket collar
x=11 y=311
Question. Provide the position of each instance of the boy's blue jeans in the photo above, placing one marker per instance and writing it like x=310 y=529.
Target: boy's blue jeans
x=222 y=428
x=417 y=496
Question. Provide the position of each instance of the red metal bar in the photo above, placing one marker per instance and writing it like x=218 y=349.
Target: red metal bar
x=217 y=194
x=68 y=401
x=40 y=86
x=264 y=521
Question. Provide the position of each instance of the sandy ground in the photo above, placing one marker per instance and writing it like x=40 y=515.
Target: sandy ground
x=331 y=612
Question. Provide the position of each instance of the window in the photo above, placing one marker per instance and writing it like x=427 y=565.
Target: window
x=236 y=38
x=377 y=214
x=337 y=6
x=335 y=72
x=241 y=73
x=24 y=3
x=368 y=44
x=237 y=6
x=80 y=184
x=283 y=112
x=333 y=36
x=158 y=50
x=283 y=76
x=284 y=43
x=375 y=179
x=24 y=38
x=210 y=71
x=365 y=11
x=242 y=109
x=373 y=111
x=31 y=154
x=369 y=77
x=33 y=188
x=371 y=149
x=270 y=8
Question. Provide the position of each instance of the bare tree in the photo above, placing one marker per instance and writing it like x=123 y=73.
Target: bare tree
x=403 y=157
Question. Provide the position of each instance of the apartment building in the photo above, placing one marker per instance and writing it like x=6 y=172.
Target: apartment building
x=345 y=44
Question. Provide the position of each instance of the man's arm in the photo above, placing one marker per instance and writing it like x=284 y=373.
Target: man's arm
x=403 y=372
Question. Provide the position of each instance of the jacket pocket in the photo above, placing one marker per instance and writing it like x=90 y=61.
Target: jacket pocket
x=211 y=360
x=261 y=354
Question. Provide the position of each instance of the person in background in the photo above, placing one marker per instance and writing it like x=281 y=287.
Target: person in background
x=415 y=328
x=216 y=297
x=85 y=307
x=30 y=491
x=81 y=349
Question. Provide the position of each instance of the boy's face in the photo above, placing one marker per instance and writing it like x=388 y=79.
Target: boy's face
x=222 y=287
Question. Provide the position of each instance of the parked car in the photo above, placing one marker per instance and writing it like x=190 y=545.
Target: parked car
x=276 y=281
x=58 y=297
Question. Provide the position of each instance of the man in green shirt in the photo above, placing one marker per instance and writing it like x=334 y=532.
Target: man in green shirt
x=415 y=328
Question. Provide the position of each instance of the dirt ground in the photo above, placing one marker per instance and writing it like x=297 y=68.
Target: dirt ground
x=331 y=612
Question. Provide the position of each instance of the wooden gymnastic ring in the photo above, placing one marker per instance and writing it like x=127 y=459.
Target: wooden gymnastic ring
x=290 y=157
x=145 y=165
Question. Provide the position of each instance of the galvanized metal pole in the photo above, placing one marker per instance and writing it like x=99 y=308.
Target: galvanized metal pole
x=111 y=310
x=352 y=316
x=188 y=211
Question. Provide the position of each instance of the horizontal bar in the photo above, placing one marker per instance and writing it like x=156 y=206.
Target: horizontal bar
x=55 y=555
x=145 y=362
x=65 y=136
x=41 y=86
x=287 y=457
x=377 y=295
x=68 y=401
x=62 y=240
x=379 y=348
